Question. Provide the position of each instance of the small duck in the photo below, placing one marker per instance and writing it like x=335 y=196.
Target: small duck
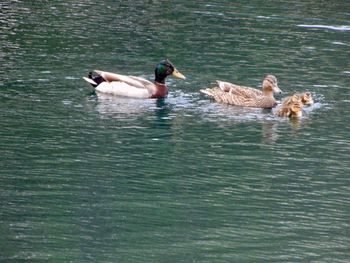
x=135 y=87
x=292 y=109
x=245 y=96
x=305 y=98
x=295 y=98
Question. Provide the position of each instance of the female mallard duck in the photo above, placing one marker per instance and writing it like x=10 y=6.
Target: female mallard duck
x=135 y=87
x=305 y=98
x=245 y=96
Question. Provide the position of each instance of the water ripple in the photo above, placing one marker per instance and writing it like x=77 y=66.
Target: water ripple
x=92 y=178
x=337 y=28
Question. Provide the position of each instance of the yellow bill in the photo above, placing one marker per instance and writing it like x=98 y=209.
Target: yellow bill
x=177 y=74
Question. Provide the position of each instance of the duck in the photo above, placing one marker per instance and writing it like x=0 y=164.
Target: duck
x=305 y=98
x=295 y=98
x=132 y=86
x=293 y=109
x=233 y=94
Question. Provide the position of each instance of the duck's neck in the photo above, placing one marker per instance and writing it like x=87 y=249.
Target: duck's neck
x=268 y=93
x=159 y=79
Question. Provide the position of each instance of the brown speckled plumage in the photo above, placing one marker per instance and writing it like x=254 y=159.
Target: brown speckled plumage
x=305 y=98
x=229 y=93
x=293 y=109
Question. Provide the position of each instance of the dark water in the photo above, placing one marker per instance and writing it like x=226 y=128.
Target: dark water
x=88 y=178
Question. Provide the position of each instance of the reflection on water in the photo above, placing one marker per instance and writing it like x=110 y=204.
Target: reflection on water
x=128 y=108
x=179 y=105
x=110 y=105
x=94 y=178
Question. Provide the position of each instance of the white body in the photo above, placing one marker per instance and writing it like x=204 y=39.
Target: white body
x=119 y=88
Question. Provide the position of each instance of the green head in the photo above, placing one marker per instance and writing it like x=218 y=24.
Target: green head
x=164 y=69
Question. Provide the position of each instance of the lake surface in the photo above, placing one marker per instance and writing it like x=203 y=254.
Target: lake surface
x=91 y=178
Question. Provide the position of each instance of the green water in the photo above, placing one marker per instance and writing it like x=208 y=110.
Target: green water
x=88 y=178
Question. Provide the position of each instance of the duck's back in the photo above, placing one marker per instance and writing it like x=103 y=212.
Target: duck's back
x=241 y=96
x=243 y=91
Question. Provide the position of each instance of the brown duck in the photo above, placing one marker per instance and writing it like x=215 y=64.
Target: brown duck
x=233 y=94
x=293 y=109
x=305 y=98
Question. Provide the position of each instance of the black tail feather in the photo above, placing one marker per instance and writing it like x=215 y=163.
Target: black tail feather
x=97 y=79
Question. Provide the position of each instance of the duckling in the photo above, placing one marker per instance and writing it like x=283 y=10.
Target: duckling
x=295 y=98
x=293 y=109
x=245 y=96
x=305 y=98
x=135 y=87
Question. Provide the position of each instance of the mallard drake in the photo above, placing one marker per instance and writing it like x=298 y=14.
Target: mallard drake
x=293 y=109
x=135 y=87
x=305 y=98
x=245 y=96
